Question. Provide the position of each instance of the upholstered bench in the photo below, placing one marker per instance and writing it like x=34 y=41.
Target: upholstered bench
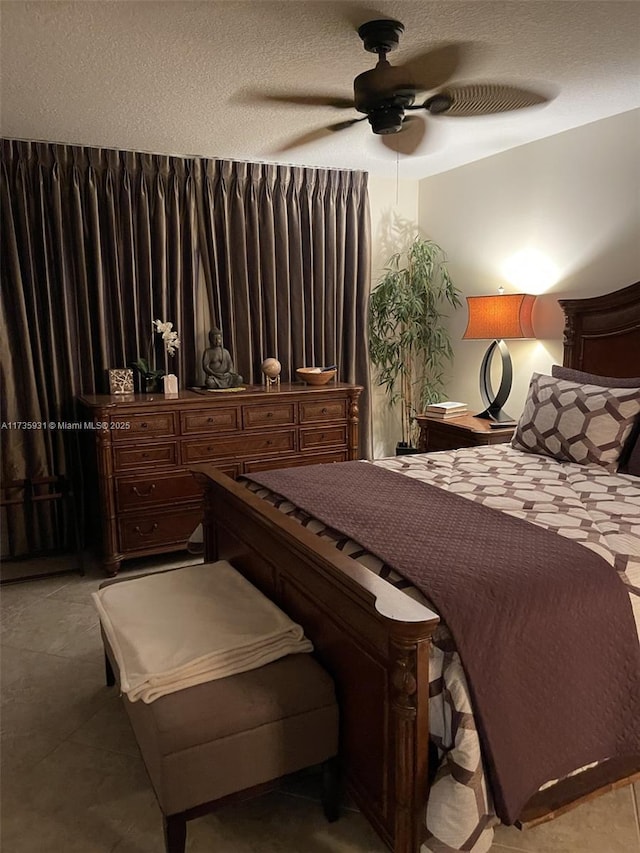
x=229 y=739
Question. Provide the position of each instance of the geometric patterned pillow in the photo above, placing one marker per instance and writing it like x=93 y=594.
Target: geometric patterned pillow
x=629 y=461
x=587 y=424
x=633 y=462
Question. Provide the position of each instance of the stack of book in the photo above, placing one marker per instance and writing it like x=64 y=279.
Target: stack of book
x=446 y=410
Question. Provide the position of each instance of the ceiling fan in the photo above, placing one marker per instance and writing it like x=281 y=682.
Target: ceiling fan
x=386 y=93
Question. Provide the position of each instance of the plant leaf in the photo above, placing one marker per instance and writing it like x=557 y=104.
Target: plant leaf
x=409 y=343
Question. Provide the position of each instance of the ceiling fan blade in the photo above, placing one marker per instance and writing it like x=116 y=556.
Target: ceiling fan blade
x=436 y=66
x=343 y=125
x=334 y=101
x=479 y=99
x=408 y=140
x=317 y=134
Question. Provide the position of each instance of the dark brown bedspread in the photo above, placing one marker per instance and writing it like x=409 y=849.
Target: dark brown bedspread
x=543 y=626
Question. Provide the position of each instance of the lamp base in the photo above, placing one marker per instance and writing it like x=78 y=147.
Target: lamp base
x=497 y=415
x=493 y=402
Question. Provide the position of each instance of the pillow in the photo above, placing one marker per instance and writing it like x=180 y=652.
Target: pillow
x=633 y=460
x=572 y=422
x=629 y=460
x=560 y=372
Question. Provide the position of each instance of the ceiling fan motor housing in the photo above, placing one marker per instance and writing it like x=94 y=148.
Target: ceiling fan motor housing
x=380 y=85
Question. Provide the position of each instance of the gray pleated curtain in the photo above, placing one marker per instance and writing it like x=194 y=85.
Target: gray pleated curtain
x=97 y=243
x=286 y=263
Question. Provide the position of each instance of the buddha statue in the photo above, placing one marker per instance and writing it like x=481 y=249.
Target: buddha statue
x=218 y=365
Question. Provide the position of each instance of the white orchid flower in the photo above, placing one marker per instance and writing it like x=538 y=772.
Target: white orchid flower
x=171 y=342
x=169 y=336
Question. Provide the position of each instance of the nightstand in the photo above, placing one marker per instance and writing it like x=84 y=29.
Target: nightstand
x=465 y=431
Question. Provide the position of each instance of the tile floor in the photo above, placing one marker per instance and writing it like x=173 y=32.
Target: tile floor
x=73 y=782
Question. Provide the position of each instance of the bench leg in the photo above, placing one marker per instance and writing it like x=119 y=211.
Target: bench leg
x=331 y=794
x=108 y=672
x=175 y=833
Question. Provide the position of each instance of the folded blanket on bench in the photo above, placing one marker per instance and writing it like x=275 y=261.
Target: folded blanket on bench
x=172 y=630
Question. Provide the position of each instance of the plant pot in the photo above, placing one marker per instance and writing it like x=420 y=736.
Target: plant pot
x=404 y=449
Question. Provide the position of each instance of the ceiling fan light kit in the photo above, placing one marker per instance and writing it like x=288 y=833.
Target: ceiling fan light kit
x=384 y=93
x=386 y=120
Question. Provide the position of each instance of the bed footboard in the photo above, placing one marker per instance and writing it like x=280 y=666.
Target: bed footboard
x=371 y=637
x=375 y=641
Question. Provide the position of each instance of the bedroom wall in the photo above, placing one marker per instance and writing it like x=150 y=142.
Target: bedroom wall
x=571 y=202
x=392 y=204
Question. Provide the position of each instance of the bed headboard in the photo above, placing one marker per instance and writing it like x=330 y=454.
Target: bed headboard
x=602 y=334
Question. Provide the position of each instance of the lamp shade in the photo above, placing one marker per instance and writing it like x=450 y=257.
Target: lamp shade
x=506 y=315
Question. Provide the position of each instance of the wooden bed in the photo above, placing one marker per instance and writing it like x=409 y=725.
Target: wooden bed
x=373 y=638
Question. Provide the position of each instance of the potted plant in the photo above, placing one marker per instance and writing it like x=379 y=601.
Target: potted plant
x=146 y=367
x=409 y=344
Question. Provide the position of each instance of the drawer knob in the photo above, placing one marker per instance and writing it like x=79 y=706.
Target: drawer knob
x=149 y=532
x=209 y=420
x=325 y=411
x=269 y=414
x=143 y=425
x=140 y=494
x=269 y=442
x=145 y=455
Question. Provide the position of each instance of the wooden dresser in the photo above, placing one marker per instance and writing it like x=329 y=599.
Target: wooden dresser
x=141 y=446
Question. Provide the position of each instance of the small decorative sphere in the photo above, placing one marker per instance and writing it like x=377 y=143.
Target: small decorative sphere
x=271 y=367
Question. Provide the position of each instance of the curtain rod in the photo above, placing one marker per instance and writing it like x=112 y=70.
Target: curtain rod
x=183 y=156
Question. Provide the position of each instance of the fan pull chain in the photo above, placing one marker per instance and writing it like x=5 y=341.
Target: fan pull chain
x=397 y=176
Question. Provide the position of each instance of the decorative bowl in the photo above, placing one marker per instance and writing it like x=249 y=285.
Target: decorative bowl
x=315 y=375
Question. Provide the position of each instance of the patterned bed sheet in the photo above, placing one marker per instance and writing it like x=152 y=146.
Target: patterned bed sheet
x=598 y=509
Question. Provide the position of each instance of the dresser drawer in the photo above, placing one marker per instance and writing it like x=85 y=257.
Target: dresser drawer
x=147 y=456
x=227 y=466
x=208 y=420
x=329 y=436
x=144 y=491
x=154 y=424
x=151 y=530
x=295 y=461
x=279 y=414
x=238 y=445
x=319 y=410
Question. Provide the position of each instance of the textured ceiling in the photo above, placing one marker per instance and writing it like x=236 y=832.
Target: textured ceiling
x=179 y=77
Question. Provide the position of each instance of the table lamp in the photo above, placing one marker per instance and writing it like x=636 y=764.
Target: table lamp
x=495 y=318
